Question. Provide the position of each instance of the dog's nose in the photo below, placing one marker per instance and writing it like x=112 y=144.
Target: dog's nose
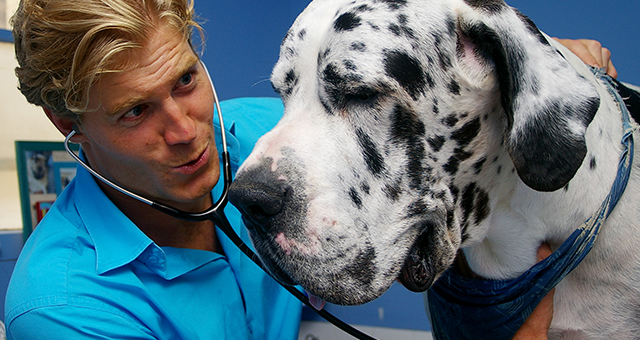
x=258 y=200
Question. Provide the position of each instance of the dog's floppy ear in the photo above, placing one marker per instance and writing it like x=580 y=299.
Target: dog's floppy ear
x=547 y=103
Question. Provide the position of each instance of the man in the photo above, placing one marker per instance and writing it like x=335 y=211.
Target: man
x=102 y=265
x=123 y=74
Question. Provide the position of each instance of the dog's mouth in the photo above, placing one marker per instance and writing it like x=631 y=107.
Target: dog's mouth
x=267 y=264
x=418 y=272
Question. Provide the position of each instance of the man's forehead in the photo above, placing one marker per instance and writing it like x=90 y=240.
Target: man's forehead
x=146 y=69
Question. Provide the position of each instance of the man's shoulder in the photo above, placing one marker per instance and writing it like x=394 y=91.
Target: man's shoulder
x=247 y=119
x=248 y=113
x=41 y=274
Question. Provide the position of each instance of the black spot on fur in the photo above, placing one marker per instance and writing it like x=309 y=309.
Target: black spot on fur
x=289 y=52
x=359 y=46
x=372 y=157
x=409 y=130
x=286 y=37
x=407 y=71
x=459 y=155
x=436 y=143
x=302 y=34
x=454 y=87
x=349 y=65
x=394 y=4
x=474 y=201
x=401 y=28
x=450 y=120
x=347 y=22
x=290 y=81
x=445 y=61
x=592 y=163
x=337 y=85
x=451 y=24
x=467 y=133
x=466 y=201
x=392 y=191
x=355 y=198
x=326 y=106
x=373 y=26
x=416 y=208
x=481 y=206
x=322 y=56
x=491 y=6
x=478 y=165
x=365 y=188
x=362 y=8
x=455 y=191
x=362 y=268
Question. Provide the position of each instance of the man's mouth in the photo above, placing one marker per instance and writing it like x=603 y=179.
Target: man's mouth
x=192 y=166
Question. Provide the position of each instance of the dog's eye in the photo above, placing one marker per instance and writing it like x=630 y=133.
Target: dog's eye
x=362 y=96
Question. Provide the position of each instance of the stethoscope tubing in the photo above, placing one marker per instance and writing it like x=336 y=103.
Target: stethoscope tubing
x=216 y=214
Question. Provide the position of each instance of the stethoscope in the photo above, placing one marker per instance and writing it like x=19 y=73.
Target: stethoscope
x=215 y=214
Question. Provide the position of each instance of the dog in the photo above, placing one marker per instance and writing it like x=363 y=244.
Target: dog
x=418 y=129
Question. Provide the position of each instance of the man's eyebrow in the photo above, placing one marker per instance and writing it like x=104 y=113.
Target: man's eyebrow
x=188 y=63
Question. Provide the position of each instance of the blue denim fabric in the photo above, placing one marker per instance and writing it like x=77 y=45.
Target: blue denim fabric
x=463 y=308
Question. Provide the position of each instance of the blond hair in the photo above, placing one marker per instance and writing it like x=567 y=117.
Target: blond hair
x=64 y=46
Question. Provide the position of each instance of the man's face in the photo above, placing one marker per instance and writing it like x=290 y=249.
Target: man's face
x=152 y=131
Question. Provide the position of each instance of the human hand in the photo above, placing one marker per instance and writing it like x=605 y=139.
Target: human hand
x=537 y=325
x=591 y=52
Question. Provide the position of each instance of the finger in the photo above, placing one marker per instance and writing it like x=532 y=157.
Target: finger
x=544 y=251
x=595 y=49
x=611 y=70
x=581 y=50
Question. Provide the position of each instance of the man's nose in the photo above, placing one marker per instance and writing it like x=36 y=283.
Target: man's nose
x=180 y=128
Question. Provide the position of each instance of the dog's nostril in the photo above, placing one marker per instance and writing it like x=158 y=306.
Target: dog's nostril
x=258 y=201
x=257 y=212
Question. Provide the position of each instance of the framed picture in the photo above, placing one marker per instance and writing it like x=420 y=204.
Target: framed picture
x=44 y=170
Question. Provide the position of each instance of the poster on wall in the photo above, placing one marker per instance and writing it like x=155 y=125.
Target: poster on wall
x=44 y=170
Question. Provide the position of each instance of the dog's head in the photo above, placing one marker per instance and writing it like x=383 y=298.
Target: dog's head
x=401 y=117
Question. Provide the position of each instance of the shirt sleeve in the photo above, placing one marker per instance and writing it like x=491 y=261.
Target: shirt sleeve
x=64 y=322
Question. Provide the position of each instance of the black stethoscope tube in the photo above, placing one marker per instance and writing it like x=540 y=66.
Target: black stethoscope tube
x=216 y=214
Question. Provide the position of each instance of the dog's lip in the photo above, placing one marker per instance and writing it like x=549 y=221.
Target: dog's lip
x=273 y=270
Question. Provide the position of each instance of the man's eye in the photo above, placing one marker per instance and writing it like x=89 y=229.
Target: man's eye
x=135 y=112
x=186 y=79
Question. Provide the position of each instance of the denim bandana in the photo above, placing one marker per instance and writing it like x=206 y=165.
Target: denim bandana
x=463 y=308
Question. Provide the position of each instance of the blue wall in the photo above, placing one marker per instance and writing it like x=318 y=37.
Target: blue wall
x=242 y=42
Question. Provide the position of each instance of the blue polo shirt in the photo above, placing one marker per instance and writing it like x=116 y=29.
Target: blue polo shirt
x=87 y=272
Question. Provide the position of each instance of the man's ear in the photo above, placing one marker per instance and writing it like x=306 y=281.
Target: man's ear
x=65 y=125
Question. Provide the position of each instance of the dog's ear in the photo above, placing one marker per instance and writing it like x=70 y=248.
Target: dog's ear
x=547 y=103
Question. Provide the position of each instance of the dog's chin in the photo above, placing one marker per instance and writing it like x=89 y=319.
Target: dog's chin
x=345 y=295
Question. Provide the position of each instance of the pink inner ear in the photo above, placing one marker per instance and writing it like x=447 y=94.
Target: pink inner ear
x=469 y=57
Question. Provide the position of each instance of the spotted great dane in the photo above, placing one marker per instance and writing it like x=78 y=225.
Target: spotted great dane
x=417 y=128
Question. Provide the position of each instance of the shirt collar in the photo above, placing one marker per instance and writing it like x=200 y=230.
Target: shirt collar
x=118 y=241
